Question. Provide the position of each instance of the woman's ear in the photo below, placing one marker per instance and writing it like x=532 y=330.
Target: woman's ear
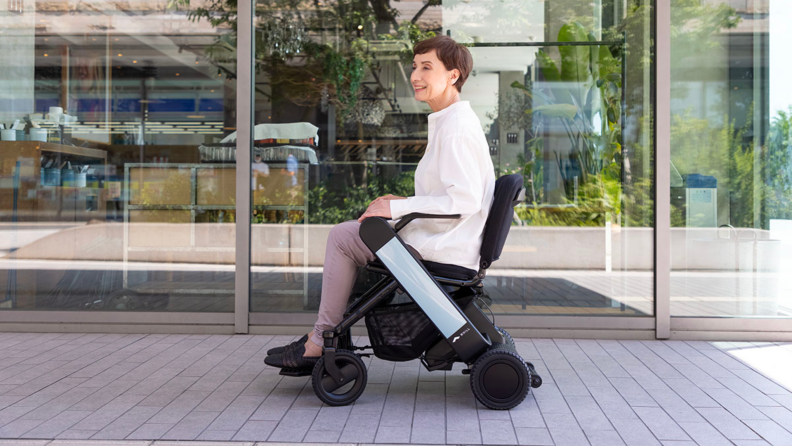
x=454 y=76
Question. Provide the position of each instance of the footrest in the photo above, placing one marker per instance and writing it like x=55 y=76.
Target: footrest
x=287 y=371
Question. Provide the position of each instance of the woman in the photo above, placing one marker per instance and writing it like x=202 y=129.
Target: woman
x=455 y=176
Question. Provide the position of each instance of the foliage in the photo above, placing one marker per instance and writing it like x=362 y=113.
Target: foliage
x=584 y=90
x=333 y=207
x=731 y=157
x=301 y=70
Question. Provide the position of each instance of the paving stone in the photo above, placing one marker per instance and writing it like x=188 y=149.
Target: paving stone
x=59 y=423
x=498 y=432
x=126 y=423
x=215 y=435
x=533 y=436
x=202 y=443
x=428 y=428
x=675 y=406
x=526 y=414
x=632 y=392
x=100 y=443
x=331 y=419
x=704 y=434
x=76 y=434
x=149 y=431
x=276 y=404
x=362 y=429
x=634 y=432
x=569 y=383
x=780 y=415
x=294 y=425
x=430 y=396
x=765 y=385
x=23 y=442
x=550 y=400
x=322 y=437
x=588 y=414
x=564 y=430
x=235 y=415
x=219 y=399
x=727 y=424
x=736 y=405
x=18 y=427
x=748 y=392
x=189 y=427
x=463 y=437
x=258 y=431
x=661 y=425
x=691 y=393
x=604 y=438
x=108 y=413
x=179 y=407
x=612 y=403
x=393 y=434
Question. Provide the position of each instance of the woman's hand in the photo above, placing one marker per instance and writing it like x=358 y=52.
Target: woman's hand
x=380 y=207
x=387 y=198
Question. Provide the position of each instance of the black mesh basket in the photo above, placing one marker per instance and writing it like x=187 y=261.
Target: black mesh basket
x=403 y=332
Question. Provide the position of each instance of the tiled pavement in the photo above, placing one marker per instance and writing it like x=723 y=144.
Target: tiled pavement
x=216 y=387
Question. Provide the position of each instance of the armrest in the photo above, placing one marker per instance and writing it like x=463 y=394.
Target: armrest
x=415 y=215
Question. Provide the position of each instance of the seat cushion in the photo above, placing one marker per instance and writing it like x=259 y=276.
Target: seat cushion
x=440 y=269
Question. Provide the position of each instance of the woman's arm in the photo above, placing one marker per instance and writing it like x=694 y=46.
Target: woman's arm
x=460 y=175
x=379 y=207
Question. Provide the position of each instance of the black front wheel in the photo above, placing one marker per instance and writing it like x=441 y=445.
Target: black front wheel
x=500 y=379
x=347 y=392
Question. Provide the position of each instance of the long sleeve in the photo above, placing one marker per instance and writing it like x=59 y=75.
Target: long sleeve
x=459 y=174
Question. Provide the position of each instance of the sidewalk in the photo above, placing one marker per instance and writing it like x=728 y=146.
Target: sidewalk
x=216 y=387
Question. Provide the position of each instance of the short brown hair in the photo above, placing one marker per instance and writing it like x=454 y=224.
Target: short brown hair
x=453 y=56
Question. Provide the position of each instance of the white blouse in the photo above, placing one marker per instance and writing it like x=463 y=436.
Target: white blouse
x=455 y=176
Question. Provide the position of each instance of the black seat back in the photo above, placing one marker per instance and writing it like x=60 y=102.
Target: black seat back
x=508 y=193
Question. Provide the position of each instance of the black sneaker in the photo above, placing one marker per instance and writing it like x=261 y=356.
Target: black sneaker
x=292 y=359
x=279 y=350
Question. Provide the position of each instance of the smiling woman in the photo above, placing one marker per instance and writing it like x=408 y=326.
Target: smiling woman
x=438 y=63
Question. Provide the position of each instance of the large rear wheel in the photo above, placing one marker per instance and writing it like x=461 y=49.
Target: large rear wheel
x=500 y=379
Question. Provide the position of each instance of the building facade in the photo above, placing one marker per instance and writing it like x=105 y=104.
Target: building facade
x=176 y=166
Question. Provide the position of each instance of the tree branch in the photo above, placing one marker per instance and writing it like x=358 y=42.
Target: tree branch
x=383 y=12
x=423 y=9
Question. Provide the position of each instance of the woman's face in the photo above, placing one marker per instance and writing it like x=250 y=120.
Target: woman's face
x=429 y=77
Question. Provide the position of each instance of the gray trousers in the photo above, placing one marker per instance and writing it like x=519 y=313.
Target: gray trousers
x=345 y=253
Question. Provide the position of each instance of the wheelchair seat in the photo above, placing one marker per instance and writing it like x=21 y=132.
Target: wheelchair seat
x=436 y=269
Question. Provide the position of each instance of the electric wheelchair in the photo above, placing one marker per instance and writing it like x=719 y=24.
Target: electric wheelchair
x=428 y=311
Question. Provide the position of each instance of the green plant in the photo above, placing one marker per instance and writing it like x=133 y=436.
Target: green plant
x=329 y=206
x=583 y=94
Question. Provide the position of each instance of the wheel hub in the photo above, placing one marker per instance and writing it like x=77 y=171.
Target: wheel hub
x=501 y=381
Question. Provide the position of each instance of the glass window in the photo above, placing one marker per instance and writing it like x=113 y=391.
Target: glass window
x=562 y=90
x=731 y=185
x=117 y=186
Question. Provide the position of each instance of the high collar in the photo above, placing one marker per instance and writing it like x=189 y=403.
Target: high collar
x=455 y=105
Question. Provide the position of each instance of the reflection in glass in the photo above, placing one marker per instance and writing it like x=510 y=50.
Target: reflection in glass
x=563 y=91
x=106 y=202
x=731 y=186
